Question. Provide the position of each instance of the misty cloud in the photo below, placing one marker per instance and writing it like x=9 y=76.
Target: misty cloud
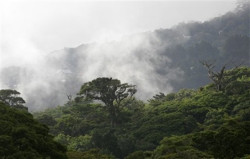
x=157 y=61
x=133 y=60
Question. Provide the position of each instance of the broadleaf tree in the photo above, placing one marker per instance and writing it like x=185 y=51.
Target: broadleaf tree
x=12 y=98
x=110 y=91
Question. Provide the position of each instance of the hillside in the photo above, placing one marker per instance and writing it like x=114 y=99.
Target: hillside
x=166 y=60
x=171 y=93
x=171 y=56
x=191 y=123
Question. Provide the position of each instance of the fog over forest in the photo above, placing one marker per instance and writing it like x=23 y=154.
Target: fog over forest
x=163 y=59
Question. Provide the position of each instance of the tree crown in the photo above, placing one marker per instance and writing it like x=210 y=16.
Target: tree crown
x=107 y=90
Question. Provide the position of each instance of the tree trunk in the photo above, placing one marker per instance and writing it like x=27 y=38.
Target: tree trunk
x=112 y=116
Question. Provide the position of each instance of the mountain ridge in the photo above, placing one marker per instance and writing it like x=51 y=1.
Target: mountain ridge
x=164 y=60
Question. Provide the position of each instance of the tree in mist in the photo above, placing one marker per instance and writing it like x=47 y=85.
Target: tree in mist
x=157 y=99
x=11 y=97
x=111 y=92
x=217 y=77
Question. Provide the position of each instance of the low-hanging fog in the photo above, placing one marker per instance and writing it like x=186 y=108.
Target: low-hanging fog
x=48 y=49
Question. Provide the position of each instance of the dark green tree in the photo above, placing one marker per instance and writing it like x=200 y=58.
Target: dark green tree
x=106 y=140
x=111 y=92
x=22 y=137
x=157 y=99
x=11 y=97
x=47 y=120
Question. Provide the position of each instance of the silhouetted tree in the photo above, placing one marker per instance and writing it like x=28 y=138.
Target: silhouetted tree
x=216 y=77
x=11 y=97
x=110 y=91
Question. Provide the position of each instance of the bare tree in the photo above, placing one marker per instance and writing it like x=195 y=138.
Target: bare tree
x=217 y=77
x=70 y=99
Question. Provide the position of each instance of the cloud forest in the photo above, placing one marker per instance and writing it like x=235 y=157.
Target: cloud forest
x=180 y=92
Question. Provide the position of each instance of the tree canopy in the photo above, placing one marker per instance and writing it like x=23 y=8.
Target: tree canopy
x=110 y=91
x=11 y=97
x=22 y=137
x=202 y=123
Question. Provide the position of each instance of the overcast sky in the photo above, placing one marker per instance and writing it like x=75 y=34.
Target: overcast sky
x=30 y=28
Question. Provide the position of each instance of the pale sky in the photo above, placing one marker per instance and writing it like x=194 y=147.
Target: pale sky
x=35 y=27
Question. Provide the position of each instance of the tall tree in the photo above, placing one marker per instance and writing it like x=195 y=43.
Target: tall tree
x=111 y=92
x=217 y=77
x=11 y=97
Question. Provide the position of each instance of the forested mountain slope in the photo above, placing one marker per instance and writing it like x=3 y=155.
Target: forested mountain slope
x=191 y=123
x=171 y=56
x=165 y=60
x=202 y=68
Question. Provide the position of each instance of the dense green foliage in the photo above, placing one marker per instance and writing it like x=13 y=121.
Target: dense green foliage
x=90 y=154
x=111 y=92
x=11 y=97
x=21 y=137
x=104 y=121
x=202 y=123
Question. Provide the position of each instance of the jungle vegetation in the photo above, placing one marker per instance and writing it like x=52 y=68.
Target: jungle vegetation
x=204 y=123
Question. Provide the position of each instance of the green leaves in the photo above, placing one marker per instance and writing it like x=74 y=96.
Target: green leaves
x=228 y=141
x=23 y=137
x=110 y=91
x=11 y=98
x=192 y=124
x=79 y=143
x=176 y=147
x=107 y=90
